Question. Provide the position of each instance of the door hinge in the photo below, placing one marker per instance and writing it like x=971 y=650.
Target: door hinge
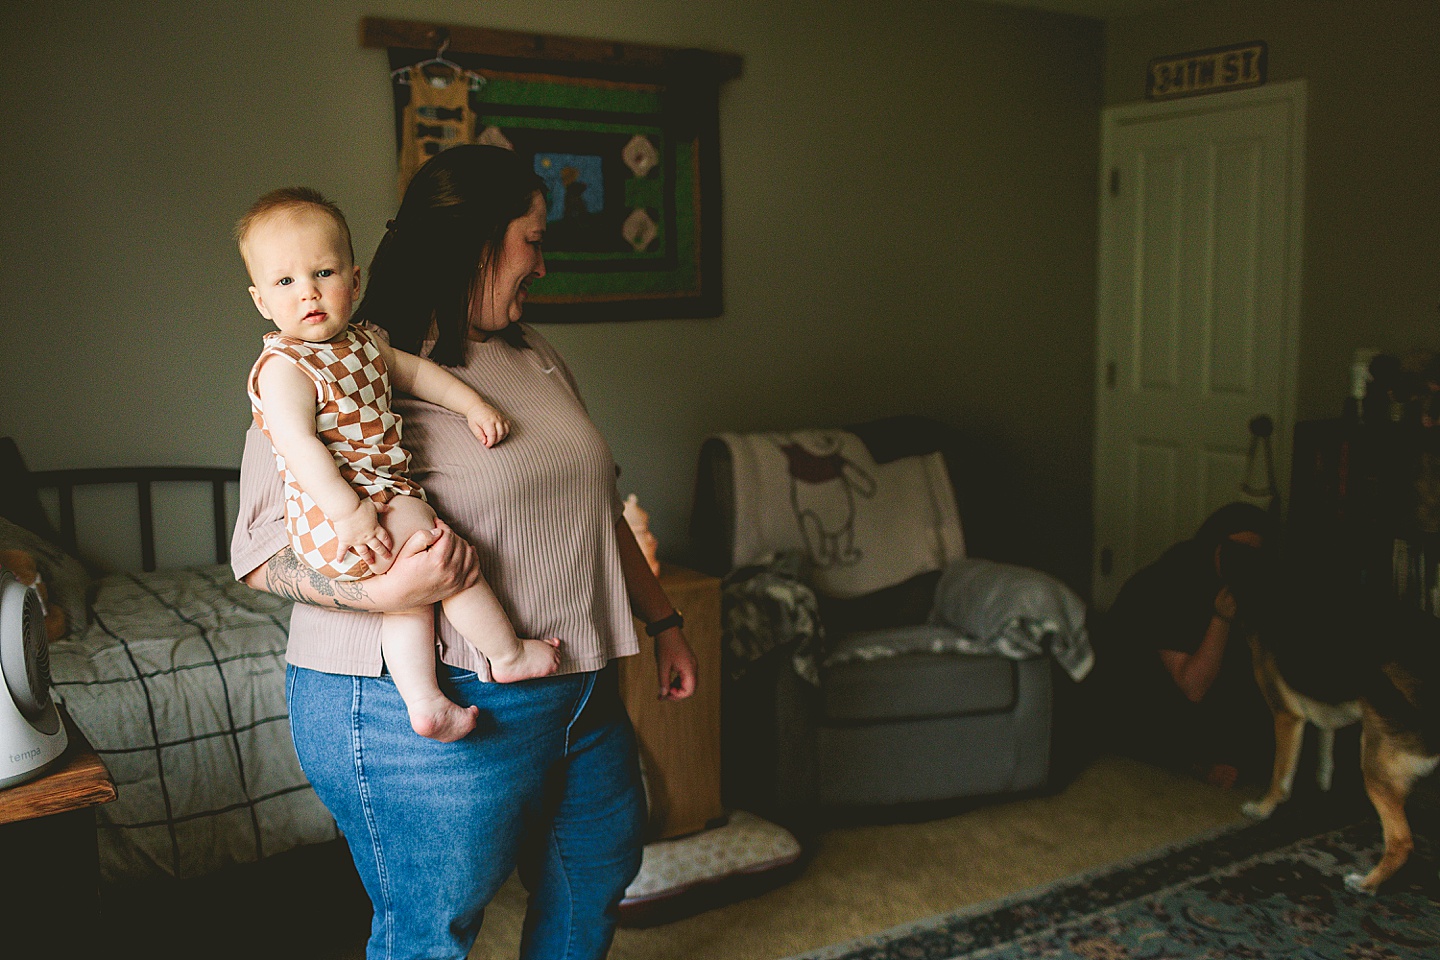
x=1110 y=375
x=1115 y=182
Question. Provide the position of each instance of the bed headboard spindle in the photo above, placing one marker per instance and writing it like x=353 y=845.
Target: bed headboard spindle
x=143 y=478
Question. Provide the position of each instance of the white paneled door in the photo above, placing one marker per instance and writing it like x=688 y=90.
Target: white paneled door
x=1198 y=311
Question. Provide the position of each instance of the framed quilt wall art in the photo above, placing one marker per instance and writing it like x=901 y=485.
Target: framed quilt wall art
x=624 y=136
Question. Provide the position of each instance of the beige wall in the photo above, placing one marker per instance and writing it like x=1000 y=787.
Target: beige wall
x=909 y=225
x=1371 y=273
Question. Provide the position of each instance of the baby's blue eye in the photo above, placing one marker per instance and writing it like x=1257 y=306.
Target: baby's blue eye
x=285 y=281
x=327 y=272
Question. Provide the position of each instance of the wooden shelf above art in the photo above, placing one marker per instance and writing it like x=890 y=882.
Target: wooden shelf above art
x=378 y=32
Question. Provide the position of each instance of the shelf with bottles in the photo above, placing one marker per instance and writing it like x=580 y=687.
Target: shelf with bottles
x=1367 y=496
x=1415 y=570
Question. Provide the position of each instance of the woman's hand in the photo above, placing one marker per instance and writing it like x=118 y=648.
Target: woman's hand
x=675 y=665
x=430 y=566
x=1225 y=604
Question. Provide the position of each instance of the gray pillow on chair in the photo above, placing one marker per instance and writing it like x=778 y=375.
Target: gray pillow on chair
x=1018 y=610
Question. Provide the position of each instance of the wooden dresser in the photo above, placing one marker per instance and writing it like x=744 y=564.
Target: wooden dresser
x=680 y=741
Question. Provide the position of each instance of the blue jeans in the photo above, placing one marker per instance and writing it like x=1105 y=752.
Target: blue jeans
x=549 y=782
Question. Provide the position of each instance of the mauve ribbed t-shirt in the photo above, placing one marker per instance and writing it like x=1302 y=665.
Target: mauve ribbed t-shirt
x=540 y=508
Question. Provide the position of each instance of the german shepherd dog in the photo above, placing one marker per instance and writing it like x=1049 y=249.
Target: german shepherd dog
x=1332 y=655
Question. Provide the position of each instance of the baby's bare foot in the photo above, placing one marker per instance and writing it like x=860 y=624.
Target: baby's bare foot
x=528 y=660
x=439 y=719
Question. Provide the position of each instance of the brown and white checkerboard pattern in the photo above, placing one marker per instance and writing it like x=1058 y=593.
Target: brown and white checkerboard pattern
x=354 y=420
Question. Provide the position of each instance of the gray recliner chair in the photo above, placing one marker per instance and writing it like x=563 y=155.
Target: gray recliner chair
x=886 y=730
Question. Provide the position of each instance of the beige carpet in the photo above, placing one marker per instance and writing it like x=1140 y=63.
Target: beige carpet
x=868 y=878
x=858 y=880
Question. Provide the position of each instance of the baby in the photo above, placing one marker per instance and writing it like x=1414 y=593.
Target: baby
x=325 y=406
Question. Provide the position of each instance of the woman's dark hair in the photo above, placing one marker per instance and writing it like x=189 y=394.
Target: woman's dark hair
x=1248 y=570
x=1238 y=517
x=442 y=245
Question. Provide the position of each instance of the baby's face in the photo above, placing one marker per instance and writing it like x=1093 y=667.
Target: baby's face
x=304 y=280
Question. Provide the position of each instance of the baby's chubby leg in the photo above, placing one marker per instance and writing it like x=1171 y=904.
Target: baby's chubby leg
x=408 y=642
x=475 y=612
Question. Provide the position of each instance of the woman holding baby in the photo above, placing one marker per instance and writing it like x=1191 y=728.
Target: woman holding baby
x=548 y=779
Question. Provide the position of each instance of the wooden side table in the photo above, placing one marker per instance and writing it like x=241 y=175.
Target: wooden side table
x=49 y=864
x=680 y=741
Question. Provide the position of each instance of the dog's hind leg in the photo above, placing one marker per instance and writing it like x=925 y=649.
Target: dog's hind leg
x=1389 y=800
x=1289 y=734
x=1390 y=771
x=1325 y=770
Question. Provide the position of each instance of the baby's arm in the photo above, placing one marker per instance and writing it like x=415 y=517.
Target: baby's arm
x=288 y=399
x=434 y=384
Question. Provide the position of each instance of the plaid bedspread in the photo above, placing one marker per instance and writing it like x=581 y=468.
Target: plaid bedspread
x=179 y=685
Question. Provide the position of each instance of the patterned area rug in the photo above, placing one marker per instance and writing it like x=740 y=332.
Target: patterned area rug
x=1261 y=891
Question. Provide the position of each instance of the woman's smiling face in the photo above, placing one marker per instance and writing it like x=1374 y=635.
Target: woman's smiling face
x=501 y=290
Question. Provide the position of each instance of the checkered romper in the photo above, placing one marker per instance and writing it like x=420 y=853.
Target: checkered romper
x=354 y=420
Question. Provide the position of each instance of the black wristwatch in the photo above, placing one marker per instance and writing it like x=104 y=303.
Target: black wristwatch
x=656 y=627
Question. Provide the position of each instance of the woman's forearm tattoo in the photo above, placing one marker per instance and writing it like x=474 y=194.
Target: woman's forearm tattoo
x=286 y=576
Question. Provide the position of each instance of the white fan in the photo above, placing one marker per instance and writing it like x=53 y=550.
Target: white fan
x=31 y=734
